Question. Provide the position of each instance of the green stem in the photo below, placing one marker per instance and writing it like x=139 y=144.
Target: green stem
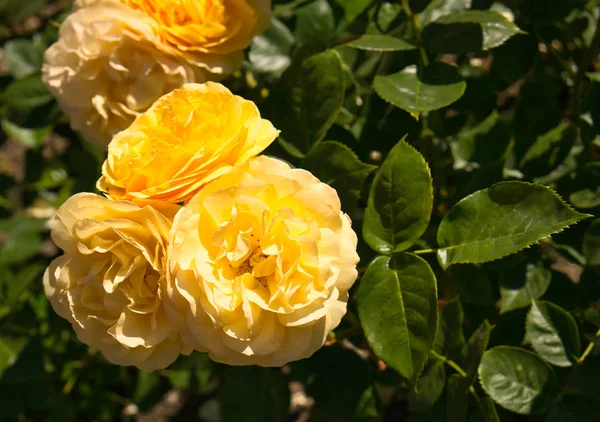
x=423 y=251
x=589 y=348
x=417 y=28
x=449 y=362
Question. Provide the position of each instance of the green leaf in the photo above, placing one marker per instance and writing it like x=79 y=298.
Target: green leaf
x=270 y=50
x=449 y=336
x=501 y=220
x=400 y=201
x=549 y=150
x=458 y=399
x=439 y=86
x=594 y=76
x=438 y=8
x=252 y=393
x=458 y=386
x=591 y=244
x=397 y=306
x=517 y=380
x=586 y=189
x=429 y=387
x=482 y=144
x=379 y=42
x=488 y=409
x=553 y=333
x=518 y=286
x=315 y=23
x=308 y=99
x=337 y=165
x=31 y=138
x=22 y=58
x=473 y=351
x=468 y=31
x=10 y=348
x=19 y=282
x=353 y=8
x=24 y=95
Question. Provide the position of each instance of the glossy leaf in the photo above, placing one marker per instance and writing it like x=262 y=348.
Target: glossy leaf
x=439 y=86
x=549 y=150
x=482 y=144
x=376 y=42
x=429 y=387
x=519 y=286
x=338 y=166
x=400 y=201
x=517 y=380
x=353 y=8
x=270 y=50
x=553 y=333
x=501 y=220
x=397 y=306
x=308 y=99
x=474 y=349
x=439 y=8
x=315 y=23
x=449 y=337
x=23 y=95
x=468 y=31
x=22 y=58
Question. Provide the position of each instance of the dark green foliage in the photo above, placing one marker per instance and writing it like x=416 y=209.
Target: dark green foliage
x=463 y=139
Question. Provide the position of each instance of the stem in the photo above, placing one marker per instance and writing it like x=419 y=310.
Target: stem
x=580 y=77
x=423 y=251
x=417 y=28
x=589 y=348
x=457 y=368
x=451 y=363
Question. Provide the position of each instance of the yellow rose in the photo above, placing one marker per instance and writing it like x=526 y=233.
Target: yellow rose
x=186 y=139
x=109 y=284
x=211 y=33
x=260 y=264
x=105 y=69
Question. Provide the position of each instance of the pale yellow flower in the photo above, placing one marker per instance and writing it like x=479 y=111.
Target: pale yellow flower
x=210 y=33
x=185 y=140
x=260 y=264
x=109 y=284
x=106 y=68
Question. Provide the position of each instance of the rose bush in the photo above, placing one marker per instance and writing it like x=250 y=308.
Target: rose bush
x=109 y=284
x=259 y=271
x=186 y=139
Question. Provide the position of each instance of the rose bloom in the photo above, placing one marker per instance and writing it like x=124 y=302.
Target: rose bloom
x=186 y=139
x=106 y=68
x=212 y=32
x=109 y=284
x=260 y=265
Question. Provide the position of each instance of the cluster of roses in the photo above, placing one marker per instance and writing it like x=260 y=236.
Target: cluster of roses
x=200 y=244
x=114 y=58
